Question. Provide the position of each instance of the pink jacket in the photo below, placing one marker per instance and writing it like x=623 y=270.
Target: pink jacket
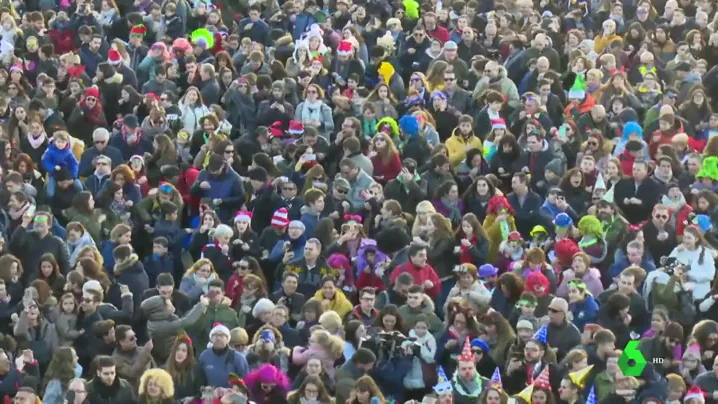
x=592 y=278
x=301 y=355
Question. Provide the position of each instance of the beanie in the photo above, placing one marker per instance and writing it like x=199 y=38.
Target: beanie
x=280 y=218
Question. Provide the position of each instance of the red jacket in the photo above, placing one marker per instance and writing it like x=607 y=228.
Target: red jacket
x=440 y=33
x=659 y=138
x=389 y=170
x=627 y=161
x=420 y=275
x=369 y=279
x=187 y=178
x=681 y=216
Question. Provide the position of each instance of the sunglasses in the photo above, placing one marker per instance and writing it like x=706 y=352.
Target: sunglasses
x=664 y=217
x=449 y=78
x=342 y=191
x=593 y=144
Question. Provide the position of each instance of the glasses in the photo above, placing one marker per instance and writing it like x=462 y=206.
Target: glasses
x=594 y=144
x=664 y=217
x=90 y=99
x=342 y=191
x=416 y=79
x=88 y=301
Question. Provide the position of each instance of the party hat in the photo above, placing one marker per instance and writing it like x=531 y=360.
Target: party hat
x=443 y=385
x=600 y=182
x=543 y=381
x=496 y=379
x=526 y=393
x=542 y=335
x=592 y=396
x=608 y=196
x=203 y=37
x=579 y=377
x=466 y=354
x=386 y=71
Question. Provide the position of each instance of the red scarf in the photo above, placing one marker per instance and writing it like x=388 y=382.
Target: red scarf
x=465 y=256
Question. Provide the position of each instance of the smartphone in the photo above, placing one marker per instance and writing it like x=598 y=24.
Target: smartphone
x=310 y=157
x=30 y=212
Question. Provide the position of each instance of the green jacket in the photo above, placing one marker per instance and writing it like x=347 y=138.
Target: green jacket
x=148 y=206
x=410 y=316
x=604 y=385
x=91 y=224
x=216 y=313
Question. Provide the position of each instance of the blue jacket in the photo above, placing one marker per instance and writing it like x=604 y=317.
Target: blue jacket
x=389 y=376
x=621 y=262
x=584 y=312
x=215 y=369
x=94 y=184
x=297 y=247
x=90 y=60
x=131 y=273
x=156 y=264
x=131 y=192
x=86 y=166
x=310 y=221
x=226 y=186
x=302 y=23
x=107 y=258
x=258 y=32
x=63 y=158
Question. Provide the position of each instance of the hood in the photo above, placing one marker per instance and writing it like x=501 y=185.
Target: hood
x=161 y=377
x=86 y=239
x=153 y=307
x=126 y=265
x=116 y=79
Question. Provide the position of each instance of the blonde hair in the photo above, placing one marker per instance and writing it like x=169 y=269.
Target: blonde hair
x=332 y=344
x=162 y=378
x=199 y=264
x=331 y=321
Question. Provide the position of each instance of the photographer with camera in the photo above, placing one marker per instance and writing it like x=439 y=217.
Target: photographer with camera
x=395 y=353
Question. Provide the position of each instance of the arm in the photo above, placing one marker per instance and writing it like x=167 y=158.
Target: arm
x=128 y=369
x=707 y=304
x=21 y=329
x=190 y=288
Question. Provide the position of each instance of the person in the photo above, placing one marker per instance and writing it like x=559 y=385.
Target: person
x=217 y=362
x=42 y=241
x=131 y=360
x=106 y=386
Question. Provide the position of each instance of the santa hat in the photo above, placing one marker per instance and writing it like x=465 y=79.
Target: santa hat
x=345 y=48
x=235 y=380
x=243 y=216
x=543 y=381
x=695 y=392
x=113 y=56
x=498 y=123
x=693 y=351
x=138 y=30
x=280 y=218
x=296 y=128
x=275 y=129
x=218 y=328
x=466 y=354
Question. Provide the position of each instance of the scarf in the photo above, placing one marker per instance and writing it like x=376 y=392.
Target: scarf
x=403 y=184
x=93 y=115
x=472 y=388
x=505 y=230
x=453 y=206
x=465 y=256
x=247 y=301
x=369 y=127
x=205 y=287
x=312 y=111
x=673 y=206
x=36 y=142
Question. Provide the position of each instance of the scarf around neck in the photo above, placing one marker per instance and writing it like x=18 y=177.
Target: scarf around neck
x=453 y=206
x=36 y=142
x=312 y=111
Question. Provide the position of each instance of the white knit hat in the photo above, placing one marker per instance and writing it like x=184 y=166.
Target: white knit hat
x=263 y=305
x=219 y=328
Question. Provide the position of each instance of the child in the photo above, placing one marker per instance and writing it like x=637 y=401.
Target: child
x=414 y=380
x=371 y=266
x=691 y=366
x=167 y=227
x=183 y=147
x=352 y=85
x=664 y=134
x=160 y=261
x=512 y=251
x=67 y=320
x=525 y=310
x=120 y=235
x=59 y=155
x=340 y=264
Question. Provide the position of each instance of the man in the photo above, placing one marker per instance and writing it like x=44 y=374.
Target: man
x=663 y=345
x=554 y=205
x=361 y=363
x=90 y=54
x=218 y=311
x=539 y=47
x=637 y=195
x=159 y=84
x=434 y=30
x=627 y=284
x=131 y=360
x=462 y=141
x=467 y=382
x=253 y=27
x=314 y=205
x=358 y=181
x=310 y=268
x=166 y=288
x=525 y=202
x=458 y=66
x=163 y=325
x=130 y=140
x=614 y=225
x=365 y=311
x=407 y=188
x=457 y=97
x=30 y=245
x=605 y=343
x=635 y=255
x=531 y=79
x=289 y=297
x=290 y=336
x=106 y=386
x=419 y=268
x=419 y=305
x=216 y=363
x=658 y=234
x=100 y=138
x=439 y=173
x=594 y=120
x=539 y=155
x=222 y=185
x=77 y=388
x=561 y=333
x=209 y=88
x=105 y=340
x=290 y=199
x=87 y=317
x=647 y=60
x=13 y=375
x=708 y=382
x=26 y=395
x=96 y=181
x=413 y=55
x=398 y=294
x=495 y=78
x=276 y=108
x=522 y=370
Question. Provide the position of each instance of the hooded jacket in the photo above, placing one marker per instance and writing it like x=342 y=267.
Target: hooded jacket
x=457 y=146
x=339 y=304
x=63 y=158
x=592 y=279
x=163 y=326
x=132 y=273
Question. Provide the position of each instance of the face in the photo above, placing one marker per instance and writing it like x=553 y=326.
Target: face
x=639 y=172
x=389 y=322
x=567 y=390
x=626 y=284
x=539 y=397
x=107 y=375
x=328 y=290
x=689 y=240
x=660 y=217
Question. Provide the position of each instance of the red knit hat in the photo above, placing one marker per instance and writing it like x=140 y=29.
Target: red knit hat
x=280 y=218
x=92 y=92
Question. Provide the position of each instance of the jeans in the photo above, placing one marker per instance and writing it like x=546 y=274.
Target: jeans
x=52 y=185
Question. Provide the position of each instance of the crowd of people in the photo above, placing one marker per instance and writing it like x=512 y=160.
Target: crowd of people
x=358 y=202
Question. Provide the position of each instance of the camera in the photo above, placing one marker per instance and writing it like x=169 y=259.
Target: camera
x=670 y=264
x=387 y=345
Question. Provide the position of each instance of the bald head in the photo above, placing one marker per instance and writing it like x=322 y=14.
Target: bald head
x=543 y=65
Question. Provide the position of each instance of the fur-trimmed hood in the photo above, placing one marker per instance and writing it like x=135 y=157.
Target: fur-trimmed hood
x=124 y=265
x=162 y=378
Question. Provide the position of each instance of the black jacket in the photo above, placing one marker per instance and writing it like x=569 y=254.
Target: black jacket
x=649 y=192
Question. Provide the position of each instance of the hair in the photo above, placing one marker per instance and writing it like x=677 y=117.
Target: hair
x=199 y=264
x=366 y=383
x=181 y=371
x=513 y=283
x=390 y=310
x=61 y=367
x=324 y=396
x=6 y=262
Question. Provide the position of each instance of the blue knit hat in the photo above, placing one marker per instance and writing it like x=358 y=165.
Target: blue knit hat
x=409 y=125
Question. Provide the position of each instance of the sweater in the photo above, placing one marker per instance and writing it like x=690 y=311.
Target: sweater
x=215 y=366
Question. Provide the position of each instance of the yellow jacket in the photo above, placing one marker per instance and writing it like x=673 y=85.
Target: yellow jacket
x=340 y=304
x=457 y=147
x=493 y=232
x=601 y=42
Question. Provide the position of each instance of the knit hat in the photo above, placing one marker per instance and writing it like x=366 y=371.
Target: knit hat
x=345 y=48
x=138 y=30
x=695 y=392
x=218 y=328
x=556 y=166
x=559 y=304
x=280 y=218
x=480 y=344
x=297 y=224
x=693 y=351
x=524 y=324
x=131 y=121
x=243 y=216
x=498 y=123
x=92 y=92
x=262 y=306
x=113 y=56
x=409 y=124
x=673 y=330
x=487 y=270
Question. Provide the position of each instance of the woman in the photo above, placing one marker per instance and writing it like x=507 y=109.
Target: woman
x=499 y=223
x=18 y=126
x=476 y=198
x=181 y=368
x=193 y=109
x=50 y=273
x=451 y=341
x=365 y=392
x=62 y=369
x=240 y=105
x=245 y=242
x=314 y=112
x=613 y=315
x=26 y=167
x=35 y=141
x=473 y=241
x=87 y=116
x=83 y=211
x=384 y=101
x=582 y=270
x=388 y=320
x=499 y=336
x=447 y=202
x=696 y=108
x=582 y=305
x=354 y=332
x=255 y=289
x=506 y=160
x=156 y=387
x=573 y=184
x=164 y=154
x=268 y=384
x=311 y=390
x=333 y=298
x=195 y=281
x=39 y=333
x=77 y=239
x=494 y=395
x=10 y=272
x=123 y=176
x=507 y=294
x=693 y=254
x=440 y=252
x=208 y=220
x=385 y=158
x=467 y=286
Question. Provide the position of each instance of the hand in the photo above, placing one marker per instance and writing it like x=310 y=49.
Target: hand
x=707 y=355
x=662 y=236
x=245 y=247
x=501 y=170
x=428 y=285
x=125 y=291
x=457 y=249
x=142 y=180
x=346 y=206
x=101 y=218
x=225 y=249
x=149 y=229
x=287 y=256
x=237 y=241
x=205 y=185
x=149 y=345
x=465 y=242
x=216 y=201
x=450 y=344
x=204 y=301
x=129 y=203
x=514 y=364
x=57 y=168
x=200 y=281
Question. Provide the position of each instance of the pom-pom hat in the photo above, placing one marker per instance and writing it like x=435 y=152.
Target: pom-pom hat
x=113 y=56
x=345 y=48
x=243 y=216
x=695 y=392
x=219 y=328
x=280 y=218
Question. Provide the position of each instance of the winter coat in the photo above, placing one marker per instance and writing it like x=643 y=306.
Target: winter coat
x=339 y=304
x=700 y=272
x=215 y=313
x=63 y=158
x=592 y=278
x=163 y=326
x=65 y=325
x=584 y=312
x=414 y=380
x=120 y=392
x=420 y=276
x=43 y=340
x=477 y=294
x=132 y=273
x=29 y=248
x=215 y=368
x=227 y=186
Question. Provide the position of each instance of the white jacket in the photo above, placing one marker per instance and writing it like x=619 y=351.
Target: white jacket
x=700 y=274
x=414 y=380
